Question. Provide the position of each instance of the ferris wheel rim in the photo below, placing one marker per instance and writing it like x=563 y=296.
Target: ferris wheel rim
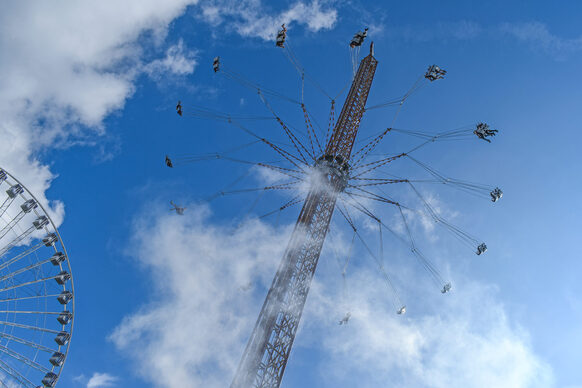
x=69 y=307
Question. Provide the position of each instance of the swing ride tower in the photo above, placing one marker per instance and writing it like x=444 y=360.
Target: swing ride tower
x=266 y=354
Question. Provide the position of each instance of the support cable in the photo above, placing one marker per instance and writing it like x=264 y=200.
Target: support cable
x=463 y=236
x=254 y=86
x=301 y=70
x=375 y=164
x=427 y=264
x=283 y=186
x=331 y=123
x=377 y=182
x=383 y=271
x=309 y=130
x=474 y=188
x=293 y=201
x=289 y=133
x=415 y=87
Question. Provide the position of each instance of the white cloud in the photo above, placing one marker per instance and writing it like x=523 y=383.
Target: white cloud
x=74 y=64
x=539 y=37
x=65 y=71
x=463 y=339
x=249 y=18
x=535 y=34
x=178 y=61
x=203 y=309
x=101 y=380
x=459 y=30
x=199 y=317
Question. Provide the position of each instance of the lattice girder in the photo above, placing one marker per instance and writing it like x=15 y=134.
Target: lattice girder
x=269 y=346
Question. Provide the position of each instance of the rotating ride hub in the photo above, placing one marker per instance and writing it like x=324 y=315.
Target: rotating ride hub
x=332 y=170
x=36 y=291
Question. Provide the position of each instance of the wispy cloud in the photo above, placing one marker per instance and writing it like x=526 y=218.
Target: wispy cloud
x=178 y=61
x=539 y=37
x=535 y=34
x=463 y=339
x=250 y=18
x=101 y=380
x=460 y=30
x=97 y=380
x=195 y=327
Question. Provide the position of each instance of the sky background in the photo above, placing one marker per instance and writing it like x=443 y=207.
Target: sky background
x=87 y=114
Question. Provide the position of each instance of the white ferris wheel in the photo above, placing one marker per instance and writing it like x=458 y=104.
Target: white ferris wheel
x=36 y=291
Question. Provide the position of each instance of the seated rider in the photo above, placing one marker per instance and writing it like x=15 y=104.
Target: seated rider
x=481 y=136
x=345 y=319
x=179 y=108
x=490 y=132
x=434 y=72
x=482 y=131
x=496 y=194
x=358 y=39
x=169 y=162
x=179 y=210
x=446 y=288
x=281 y=35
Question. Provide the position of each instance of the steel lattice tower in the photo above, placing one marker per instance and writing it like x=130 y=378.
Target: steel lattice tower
x=265 y=357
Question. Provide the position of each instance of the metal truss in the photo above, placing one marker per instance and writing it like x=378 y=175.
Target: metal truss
x=265 y=357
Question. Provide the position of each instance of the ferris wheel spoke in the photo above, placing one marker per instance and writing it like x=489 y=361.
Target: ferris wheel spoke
x=20 y=255
x=19 y=357
x=28 y=327
x=27 y=343
x=29 y=312
x=17 y=240
x=28 y=297
x=25 y=269
x=12 y=223
x=5 y=205
x=28 y=283
x=16 y=375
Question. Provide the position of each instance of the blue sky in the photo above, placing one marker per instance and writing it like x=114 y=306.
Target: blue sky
x=87 y=98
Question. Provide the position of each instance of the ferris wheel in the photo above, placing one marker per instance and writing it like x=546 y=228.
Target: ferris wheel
x=36 y=291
